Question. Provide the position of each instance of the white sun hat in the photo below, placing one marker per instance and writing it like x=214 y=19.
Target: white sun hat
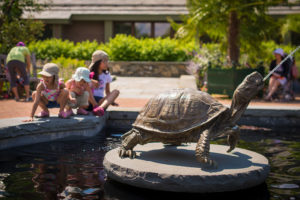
x=82 y=73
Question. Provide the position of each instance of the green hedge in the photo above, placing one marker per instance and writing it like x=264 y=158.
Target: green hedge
x=120 y=48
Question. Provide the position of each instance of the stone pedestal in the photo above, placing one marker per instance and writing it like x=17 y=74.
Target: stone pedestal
x=175 y=168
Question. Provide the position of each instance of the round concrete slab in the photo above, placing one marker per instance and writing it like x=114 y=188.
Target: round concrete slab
x=175 y=168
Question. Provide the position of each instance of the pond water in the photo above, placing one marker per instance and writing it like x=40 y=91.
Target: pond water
x=73 y=169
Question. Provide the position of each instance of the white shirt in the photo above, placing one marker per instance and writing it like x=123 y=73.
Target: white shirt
x=103 y=80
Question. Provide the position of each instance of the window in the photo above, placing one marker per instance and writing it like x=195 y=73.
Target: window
x=144 y=29
x=162 y=29
x=123 y=28
x=48 y=32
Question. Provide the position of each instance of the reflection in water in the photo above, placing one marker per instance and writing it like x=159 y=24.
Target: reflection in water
x=74 y=170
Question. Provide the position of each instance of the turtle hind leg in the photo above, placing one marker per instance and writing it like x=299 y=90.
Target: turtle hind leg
x=202 y=150
x=129 y=141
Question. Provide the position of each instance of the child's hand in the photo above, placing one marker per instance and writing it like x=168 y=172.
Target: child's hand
x=28 y=120
x=78 y=91
x=95 y=84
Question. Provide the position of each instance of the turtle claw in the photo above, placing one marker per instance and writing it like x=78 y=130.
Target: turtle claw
x=126 y=153
x=230 y=149
x=131 y=154
x=208 y=163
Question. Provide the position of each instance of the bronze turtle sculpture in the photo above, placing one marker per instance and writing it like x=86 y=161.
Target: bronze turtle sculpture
x=188 y=115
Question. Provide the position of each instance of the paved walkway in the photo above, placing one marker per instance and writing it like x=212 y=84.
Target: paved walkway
x=134 y=93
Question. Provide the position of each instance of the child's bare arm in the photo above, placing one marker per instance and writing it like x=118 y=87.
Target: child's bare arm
x=91 y=96
x=68 y=86
x=107 y=89
x=95 y=83
x=36 y=102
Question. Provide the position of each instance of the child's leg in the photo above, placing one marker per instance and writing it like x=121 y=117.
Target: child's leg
x=43 y=102
x=84 y=100
x=62 y=99
x=83 y=103
x=109 y=99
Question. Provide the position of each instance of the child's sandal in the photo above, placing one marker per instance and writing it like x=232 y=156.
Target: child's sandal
x=70 y=112
x=81 y=111
x=99 y=111
x=43 y=114
x=63 y=115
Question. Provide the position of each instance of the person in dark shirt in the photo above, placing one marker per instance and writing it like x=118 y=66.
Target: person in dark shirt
x=280 y=75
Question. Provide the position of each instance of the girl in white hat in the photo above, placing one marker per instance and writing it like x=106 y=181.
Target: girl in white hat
x=80 y=93
x=50 y=93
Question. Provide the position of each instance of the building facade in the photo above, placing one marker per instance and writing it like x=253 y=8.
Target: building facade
x=80 y=20
x=99 y=20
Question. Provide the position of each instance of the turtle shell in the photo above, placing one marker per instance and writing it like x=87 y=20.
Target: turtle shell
x=178 y=111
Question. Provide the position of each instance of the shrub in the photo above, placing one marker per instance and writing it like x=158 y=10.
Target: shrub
x=120 y=48
x=84 y=50
x=124 y=48
x=128 y=48
x=51 y=48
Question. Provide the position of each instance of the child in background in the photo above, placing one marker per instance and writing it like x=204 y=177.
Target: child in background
x=50 y=93
x=80 y=93
x=100 y=74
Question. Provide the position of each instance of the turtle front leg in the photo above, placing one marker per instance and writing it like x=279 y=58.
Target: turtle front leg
x=202 y=150
x=129 y=141
x=233 y=137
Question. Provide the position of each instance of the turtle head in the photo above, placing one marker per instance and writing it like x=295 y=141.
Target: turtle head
x=250 y=86
x=243 y=94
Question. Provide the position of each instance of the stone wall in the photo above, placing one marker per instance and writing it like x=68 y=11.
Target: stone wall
x=136 y=68
x=148 y=69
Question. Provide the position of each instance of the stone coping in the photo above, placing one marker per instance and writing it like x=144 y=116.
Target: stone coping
x=14 y=132
x=175 y=168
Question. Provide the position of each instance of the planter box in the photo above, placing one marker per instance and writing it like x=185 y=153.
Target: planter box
x=225 y=81
x=148 y=69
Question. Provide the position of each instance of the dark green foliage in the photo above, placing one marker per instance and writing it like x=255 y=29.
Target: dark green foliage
x=212 y=18
x=13 y=28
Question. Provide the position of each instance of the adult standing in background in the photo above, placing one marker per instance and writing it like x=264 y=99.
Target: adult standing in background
x=18 y=61
x=279 y=77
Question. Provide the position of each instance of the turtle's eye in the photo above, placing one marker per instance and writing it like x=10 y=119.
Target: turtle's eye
x=252 y=79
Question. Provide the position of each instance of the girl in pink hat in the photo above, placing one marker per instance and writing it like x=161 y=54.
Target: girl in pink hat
x=101 y=78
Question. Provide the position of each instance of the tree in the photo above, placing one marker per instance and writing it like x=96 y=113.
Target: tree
x=234 y=23
x=13 y=28
x=290 y=23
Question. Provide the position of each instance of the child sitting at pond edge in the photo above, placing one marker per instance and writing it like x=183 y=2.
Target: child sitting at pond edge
x=50 y=93
x=102 y=79
x=80 y=93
